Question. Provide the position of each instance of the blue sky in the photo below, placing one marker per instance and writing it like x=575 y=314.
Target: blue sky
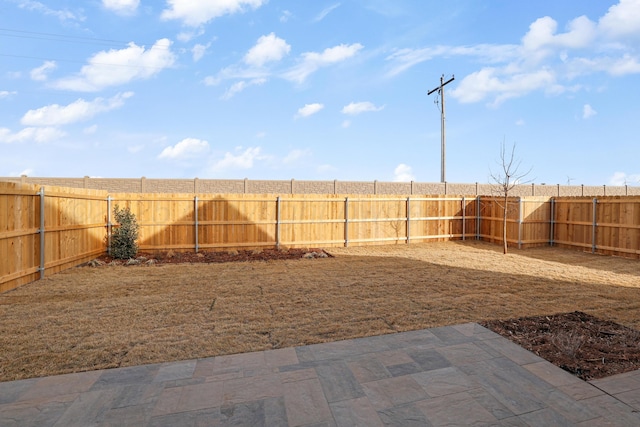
x=319 y=90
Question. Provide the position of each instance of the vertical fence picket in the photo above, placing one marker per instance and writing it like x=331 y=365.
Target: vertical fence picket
x=551 y=220
x=519 y=222
x=408 y=219
x=346 y=222
x=278 y=207
x=594 y=226
x=464 y=220
x=109 y=225
x=195 y=219
x=41 y=231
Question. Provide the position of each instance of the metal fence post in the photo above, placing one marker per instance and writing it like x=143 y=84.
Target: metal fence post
x=195 y=215
x=109 y=225
x=346 y=222
x=595 y=224
x=41 y=231
x=278 y=222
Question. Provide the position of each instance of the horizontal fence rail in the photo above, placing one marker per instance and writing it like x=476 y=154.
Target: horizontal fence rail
x=44 y=230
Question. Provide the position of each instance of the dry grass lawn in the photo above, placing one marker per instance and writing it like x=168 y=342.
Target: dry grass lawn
x=94 y=318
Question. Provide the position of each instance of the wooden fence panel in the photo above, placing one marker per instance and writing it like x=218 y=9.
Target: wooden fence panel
x=19 y=237
x=573 y=223
x=75 y=230
x=312 y=221
x=536 y=221
x=377 y=220
x=618 y=228
x=491 y=222
x=236 y=221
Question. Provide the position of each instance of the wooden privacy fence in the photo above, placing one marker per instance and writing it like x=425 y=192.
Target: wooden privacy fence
x=47 y=228
x=51 y=228
x=183 y=222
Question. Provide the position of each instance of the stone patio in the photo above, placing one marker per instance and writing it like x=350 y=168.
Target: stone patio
x=456 y=375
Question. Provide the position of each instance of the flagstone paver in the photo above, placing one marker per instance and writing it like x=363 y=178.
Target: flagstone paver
x=454 y=375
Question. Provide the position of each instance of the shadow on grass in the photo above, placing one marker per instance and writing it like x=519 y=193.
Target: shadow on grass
x=125 y=316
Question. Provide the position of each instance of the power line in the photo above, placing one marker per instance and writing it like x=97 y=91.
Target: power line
x=35 y=35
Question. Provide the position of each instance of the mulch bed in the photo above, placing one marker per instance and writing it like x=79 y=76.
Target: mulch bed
x=579 y=343
x=171 y=257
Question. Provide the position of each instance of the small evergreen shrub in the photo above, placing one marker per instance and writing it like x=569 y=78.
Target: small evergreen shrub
x=124 y=238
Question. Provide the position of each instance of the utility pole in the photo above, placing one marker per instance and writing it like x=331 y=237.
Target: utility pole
x=440 y=90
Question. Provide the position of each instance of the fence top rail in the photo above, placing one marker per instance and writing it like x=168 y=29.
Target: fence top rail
x=18 y=192
x=144 y=197
x=73 y=196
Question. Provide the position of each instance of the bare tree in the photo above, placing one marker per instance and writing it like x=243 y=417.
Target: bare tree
x=505 y=180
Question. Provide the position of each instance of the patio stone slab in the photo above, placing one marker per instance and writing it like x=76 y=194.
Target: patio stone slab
x=454 y=375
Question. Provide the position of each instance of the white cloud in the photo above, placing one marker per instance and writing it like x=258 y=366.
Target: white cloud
x=90 y=130
x=547 y=59
x=242 y=160
x=211 y=81
x=295 y=155
x=355 y=108
x=403 y=173
x=520 y=122
x=588 y=112
x=6 y=93
x=269 y=48
x=626 y=65
x=286 y=15
x=199 y=50
x=309 y=110
x=325 y=12
x=240 y=86
x=41 y=73
x=621 y=178
x=116 y=67
x=542 y=33
x=123 y=7
x=36 y=6
x=185 y=36
x=501 y=84
x=403 y=59
x=188 y=147
x=56 y=115
x=195 y=13
x=37 y=134
x=312 y=61
x=346 y=123
x=622 y=19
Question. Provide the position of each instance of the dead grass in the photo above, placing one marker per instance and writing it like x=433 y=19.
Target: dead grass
x=95 y=318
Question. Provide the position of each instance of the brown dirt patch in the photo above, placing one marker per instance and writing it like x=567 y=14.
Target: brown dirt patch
x=112 y=316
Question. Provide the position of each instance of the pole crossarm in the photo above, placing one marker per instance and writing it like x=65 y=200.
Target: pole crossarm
x=440 y=90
